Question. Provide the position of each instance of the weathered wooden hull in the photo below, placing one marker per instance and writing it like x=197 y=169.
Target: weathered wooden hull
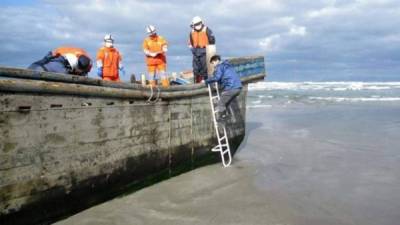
x=68 y=144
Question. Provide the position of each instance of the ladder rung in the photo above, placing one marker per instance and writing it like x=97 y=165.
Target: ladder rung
x=216 y=149
x=215 y=97
x=226 y=151
x=224 y=137
x=219 y=147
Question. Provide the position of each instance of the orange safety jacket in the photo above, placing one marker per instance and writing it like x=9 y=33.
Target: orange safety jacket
x=70 y=50
x=199 y=39
x=202 y=38
x=64 y=50
x=155 y=44
x=109 y=59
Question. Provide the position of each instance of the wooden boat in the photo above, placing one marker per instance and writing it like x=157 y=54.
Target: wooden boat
x=68 y=142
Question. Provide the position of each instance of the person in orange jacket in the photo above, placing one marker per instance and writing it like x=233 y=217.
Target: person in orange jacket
x=199 y=38
x=154 y=48
x=109 y=61
x=66 y=60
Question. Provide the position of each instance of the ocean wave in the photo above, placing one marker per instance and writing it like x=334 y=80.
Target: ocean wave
x=355 y=99
x=258 y=106
x=326 y=86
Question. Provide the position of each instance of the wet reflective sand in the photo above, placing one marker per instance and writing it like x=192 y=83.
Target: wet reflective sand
x=299 y=165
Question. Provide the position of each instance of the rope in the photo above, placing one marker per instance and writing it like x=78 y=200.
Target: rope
x=152 y=93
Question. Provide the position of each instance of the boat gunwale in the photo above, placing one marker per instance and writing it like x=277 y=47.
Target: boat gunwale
x=20 y=73
x=61 y=88
x=20 y=80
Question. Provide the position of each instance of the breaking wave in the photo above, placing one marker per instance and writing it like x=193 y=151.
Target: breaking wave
x=367 y=99
x=327 y=86
x=284 y=93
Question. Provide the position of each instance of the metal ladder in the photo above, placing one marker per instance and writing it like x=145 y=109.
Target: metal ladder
x=223 y=142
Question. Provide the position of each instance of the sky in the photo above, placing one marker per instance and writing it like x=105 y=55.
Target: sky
x=302 y=40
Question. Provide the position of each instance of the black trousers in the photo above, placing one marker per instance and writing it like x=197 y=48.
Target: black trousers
x=199 y=62
x=226 y=98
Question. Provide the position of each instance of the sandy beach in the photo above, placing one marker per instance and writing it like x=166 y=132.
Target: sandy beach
x=299 y=165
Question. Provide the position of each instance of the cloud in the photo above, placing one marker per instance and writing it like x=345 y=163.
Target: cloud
x=287 y=31
x=313 y=38
x=327 y=11
x=271 y=42
x=298 y=31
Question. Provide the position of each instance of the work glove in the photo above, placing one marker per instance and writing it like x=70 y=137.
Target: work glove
x=122 y=71
x=164 y=48
x=100 y=72
x=153 y=54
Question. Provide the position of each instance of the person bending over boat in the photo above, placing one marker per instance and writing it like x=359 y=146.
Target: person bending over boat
x=229 y=81
x=109 y=61
x=66 y=60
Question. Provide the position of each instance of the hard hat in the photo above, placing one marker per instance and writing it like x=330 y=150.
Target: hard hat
x=196 y=20
x=150 y=29
x=108 y=38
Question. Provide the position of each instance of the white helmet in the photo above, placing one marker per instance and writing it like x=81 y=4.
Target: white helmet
x=196 y=20
x=150 y=29
x=108 y=38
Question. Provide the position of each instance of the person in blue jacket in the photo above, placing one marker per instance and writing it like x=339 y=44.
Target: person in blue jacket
x=229 y=81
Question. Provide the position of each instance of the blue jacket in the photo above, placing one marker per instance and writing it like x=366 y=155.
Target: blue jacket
x=57 y=65
x=226 y=76
x=50 y=63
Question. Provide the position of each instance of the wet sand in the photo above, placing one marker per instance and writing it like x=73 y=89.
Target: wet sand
x=299 y=165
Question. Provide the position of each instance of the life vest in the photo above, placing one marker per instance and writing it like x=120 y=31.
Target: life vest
x=155 y=44
x=109 y=59
x=199 y=39
x=70 y=50
x=66 y=50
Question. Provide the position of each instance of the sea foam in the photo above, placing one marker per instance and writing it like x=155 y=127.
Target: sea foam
x=328 y=86
x=286 y=93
